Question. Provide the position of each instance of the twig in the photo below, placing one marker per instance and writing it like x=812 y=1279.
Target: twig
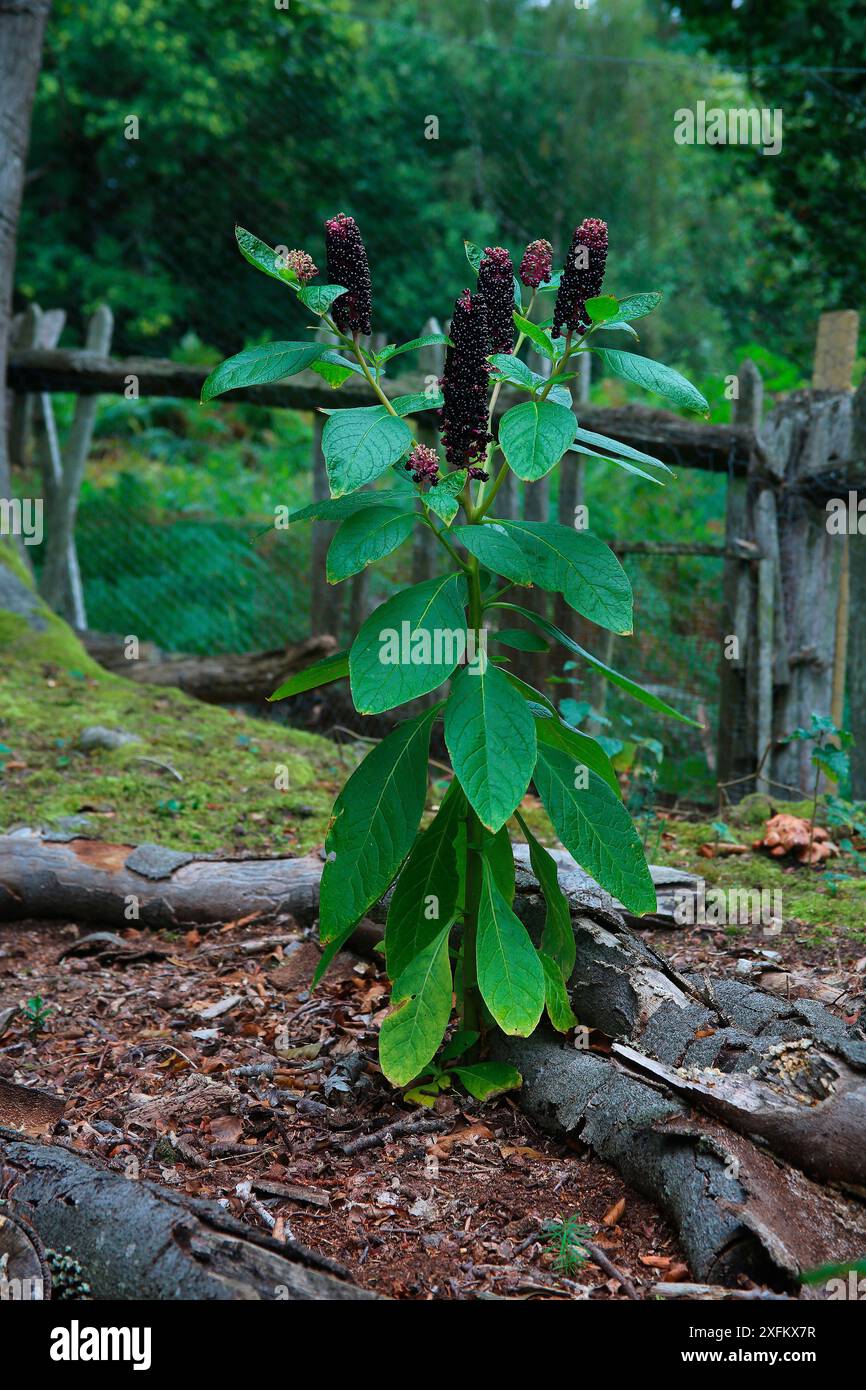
x=387 y=1133
x=610 y=1269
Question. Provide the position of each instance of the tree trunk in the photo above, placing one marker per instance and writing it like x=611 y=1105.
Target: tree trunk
x=223 y=679
x=22 y=24
x=137 y=1240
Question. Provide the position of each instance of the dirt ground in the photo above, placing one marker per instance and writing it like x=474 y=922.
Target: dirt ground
x=203 y=1062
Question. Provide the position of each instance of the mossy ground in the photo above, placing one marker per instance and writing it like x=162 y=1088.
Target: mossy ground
x=229 y=796
x=826 y=904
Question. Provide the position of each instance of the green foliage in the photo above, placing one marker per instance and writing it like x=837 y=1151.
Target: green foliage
x=566 y=1243
x=37 y=1013
x=451 y=925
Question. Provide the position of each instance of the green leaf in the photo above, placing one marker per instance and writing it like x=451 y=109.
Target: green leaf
x=534 y=436
x=500 y=857
x=332 y=668
x=579 y=566
x=492 y=545
x=421 y=400
x=264 y=258
x=512 y=369
x=430 y=885
x=460 y=1042
x=366 y=537
x=595 y=828
x=413 y=1030
x=483 y=1080
x=331 y=371
x=319 y=298
x=557 y=939
x=537 y=335
x=474 y=254
x=635 y=306
x=551 y=286
x=510 y=975
x=361 y=444
x=373 y=826
x=490 y=737
x=338 y=508
x=613 y=446
x=580 y=748
x=409 y=645
x=654 y=376
x=520 y=639
x=631 y=687
x=443 y=498
x=556 y=999
x=617 y=462
x=602 y=307
x=428 y=340
x=258 y=365
x=619 y=326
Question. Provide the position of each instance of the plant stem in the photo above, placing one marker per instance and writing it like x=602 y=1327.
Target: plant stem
x=473 y=1012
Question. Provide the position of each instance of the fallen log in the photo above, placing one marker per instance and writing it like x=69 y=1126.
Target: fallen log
x=223 y=679
x=141 y=1241
x=727 y=1106
x=45 y=875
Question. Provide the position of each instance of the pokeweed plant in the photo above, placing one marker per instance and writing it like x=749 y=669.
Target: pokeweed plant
x=451 y=927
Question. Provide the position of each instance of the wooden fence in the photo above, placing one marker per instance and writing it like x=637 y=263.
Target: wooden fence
x=792 y=590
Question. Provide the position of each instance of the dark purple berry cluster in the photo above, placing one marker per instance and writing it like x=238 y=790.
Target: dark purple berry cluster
x=465 y=383
x=582 y=275
x=496 y=284
x=347 y=265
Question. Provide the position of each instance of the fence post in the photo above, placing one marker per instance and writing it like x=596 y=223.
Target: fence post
x=805 y=441
x=734 y=745
x=61 y=579
x=856 y=625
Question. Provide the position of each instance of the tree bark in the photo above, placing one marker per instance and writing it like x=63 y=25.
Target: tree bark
x=22 y=25
x=139 y=1241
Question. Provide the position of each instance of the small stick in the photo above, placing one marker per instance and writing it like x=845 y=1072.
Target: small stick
x=394 y=1131
x=600 y=1258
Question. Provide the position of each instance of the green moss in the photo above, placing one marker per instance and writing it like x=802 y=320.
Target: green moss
x=808 y=895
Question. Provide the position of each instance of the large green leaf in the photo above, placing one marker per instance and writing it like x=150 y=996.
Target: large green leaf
x=490 y=736
x=580 y=747
x=556 y=999
x=428 y=340
x=631 y=687
x=510 y=975
x=500 y=856
x=443 y=498
x=537 y=335
x=338 y=508
x=264 y=257
x=654 y=376
x=492 y=545
x=486 y=1079
x=595 y=828
x=513 y=370
x=520 y=639
x=602 y=307
x=430 y=886
x=557 y=939
x=374 y=823
x=258 y=365
x=534 y=436
x=579 y=566
x=418 y=400
x=361 y=444
x=634 y=306
x=421 y=999
x=331 y=668
x=319 y=298
x=613 y=446
x=409 y=645
x=366 y=537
